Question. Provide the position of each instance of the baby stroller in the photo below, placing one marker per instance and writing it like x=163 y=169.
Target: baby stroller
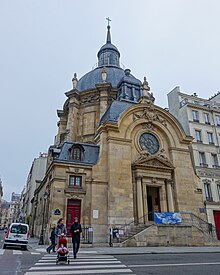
x=62 y=251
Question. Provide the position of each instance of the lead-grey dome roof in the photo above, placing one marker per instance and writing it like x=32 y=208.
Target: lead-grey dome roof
x=89 y=80
x=108 y=57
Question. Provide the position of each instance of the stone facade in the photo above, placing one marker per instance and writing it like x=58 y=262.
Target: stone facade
x=200 y=118
x=117 y=157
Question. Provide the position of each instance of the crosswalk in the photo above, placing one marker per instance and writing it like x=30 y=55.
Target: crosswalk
x=17 y=252
x=84 y=264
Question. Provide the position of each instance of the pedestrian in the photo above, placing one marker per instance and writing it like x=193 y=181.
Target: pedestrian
x=61 y=228
x=75 y=229
x=53 y=240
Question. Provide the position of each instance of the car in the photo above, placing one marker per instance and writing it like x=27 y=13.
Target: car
x=17 y=235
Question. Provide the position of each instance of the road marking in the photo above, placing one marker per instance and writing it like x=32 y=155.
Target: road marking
x=77 y=267
x=84 y=264
x=97 y=271
x=53 y=256
x=181 y=264
x=17 y=252
x=79 y=262
x=2 y=251
x=35 y=253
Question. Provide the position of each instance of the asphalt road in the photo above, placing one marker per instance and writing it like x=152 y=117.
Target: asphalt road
x=173 y=264
x=14 y=261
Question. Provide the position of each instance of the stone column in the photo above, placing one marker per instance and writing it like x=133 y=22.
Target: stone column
x=139 y=200
x=145 y=202
x=170 y=195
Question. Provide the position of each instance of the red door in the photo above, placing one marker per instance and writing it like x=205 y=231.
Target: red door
x=73 y=210
x=217 y=222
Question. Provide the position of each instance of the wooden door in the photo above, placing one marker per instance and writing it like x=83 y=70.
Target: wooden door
x=217 y=222
x=73 y=210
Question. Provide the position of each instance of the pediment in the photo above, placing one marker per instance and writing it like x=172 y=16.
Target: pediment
x=158 y=161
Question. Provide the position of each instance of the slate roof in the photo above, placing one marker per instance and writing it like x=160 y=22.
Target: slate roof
x=89 y=80
x=115 y=110
x=90 y=153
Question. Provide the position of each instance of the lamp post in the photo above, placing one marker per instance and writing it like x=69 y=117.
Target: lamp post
x=41 y=241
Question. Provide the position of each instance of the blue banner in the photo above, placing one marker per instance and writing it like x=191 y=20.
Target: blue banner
x=167 y=218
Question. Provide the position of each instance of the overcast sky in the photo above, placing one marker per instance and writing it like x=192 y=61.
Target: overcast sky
x=44 y=42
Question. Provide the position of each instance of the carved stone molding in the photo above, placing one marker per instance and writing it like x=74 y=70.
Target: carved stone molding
x=89 y=99
x=150 y=114
x=157 y=161
x=148 y=126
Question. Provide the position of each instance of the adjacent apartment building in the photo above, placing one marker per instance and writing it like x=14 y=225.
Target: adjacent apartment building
x=200 y=118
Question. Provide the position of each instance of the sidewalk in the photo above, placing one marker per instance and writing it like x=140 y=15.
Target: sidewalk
x=33 y=244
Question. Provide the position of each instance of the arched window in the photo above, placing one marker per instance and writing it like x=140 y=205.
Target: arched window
x=77 y=153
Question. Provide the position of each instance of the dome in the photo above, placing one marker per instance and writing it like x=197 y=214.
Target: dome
x=108 y=57
x=89 y=80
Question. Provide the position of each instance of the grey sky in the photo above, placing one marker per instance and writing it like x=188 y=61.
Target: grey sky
x=42 y=43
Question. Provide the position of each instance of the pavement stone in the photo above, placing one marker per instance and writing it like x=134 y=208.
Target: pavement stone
x=33 y=244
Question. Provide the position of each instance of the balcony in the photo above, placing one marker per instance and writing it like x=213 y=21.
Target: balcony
x=204 y=165
x=209 y=199
x=216 y=166
x=195 y=120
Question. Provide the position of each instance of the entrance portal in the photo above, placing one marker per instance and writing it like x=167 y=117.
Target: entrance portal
x=153 y=201
x=217 y=222
x=73 y=210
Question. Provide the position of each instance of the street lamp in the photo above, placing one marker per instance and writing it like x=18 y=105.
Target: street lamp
x=41 y=241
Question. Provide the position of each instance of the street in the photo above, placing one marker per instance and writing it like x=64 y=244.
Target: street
x=37 y=262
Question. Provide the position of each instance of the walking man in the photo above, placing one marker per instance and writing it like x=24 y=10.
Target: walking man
x=75 y=229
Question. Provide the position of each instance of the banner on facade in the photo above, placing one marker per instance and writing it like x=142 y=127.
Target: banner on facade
x=167 y=218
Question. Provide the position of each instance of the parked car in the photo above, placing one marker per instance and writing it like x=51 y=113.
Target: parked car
x=17 y=235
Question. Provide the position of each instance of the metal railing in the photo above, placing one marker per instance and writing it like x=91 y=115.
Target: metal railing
x=87 y=235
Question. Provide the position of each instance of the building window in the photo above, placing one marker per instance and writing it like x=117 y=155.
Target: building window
x=206 y=118
x=198 y=136
x=195 y=116
x=75 y=181
x=210 y=138
x=77 y=153
x=217 y=120
x=218 y=191
x=215 y=161
x=208 y=192
x=202 y=159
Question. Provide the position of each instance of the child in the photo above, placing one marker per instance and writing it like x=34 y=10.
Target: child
x=62 y=250
x=52 y=238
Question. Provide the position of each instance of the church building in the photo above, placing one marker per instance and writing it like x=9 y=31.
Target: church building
x=117 y=157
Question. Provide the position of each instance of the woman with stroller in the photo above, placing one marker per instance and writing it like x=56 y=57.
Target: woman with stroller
x=61 y=228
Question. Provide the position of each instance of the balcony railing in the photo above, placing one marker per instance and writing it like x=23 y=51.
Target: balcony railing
x=204 y=165
x=216 y=166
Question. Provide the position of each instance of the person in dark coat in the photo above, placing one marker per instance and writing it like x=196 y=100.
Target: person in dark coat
x=75 y=229
x=52 y=239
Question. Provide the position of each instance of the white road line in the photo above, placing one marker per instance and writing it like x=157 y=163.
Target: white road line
x=74 y=263
x=17 y=252
x=53 y=256
x=65 y=272
x=2 y=251
x=77 y=267
x=35 y=253
x=78 y=260
x=181 y=264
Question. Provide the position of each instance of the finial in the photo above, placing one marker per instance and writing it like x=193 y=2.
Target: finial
x=108 y=40
x=104 y=74
x=74 y=81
